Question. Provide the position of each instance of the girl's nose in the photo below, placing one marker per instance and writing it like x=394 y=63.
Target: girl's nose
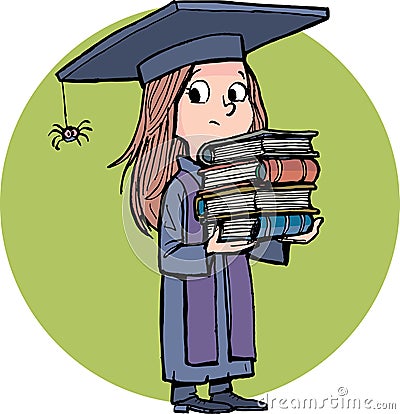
x=232 y=110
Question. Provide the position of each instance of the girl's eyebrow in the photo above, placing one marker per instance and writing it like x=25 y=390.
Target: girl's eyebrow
x=241 y=73
x=195 y=71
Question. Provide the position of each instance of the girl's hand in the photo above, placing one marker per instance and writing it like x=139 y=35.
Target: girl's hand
x=213 y=246
x=307 y=237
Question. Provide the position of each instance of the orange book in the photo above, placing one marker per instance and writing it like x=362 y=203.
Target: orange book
x=274 y=170
x=291 y=170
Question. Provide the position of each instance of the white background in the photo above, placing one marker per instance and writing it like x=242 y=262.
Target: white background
x=36 y=375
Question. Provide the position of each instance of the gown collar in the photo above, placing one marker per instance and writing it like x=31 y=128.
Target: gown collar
x=187 y=164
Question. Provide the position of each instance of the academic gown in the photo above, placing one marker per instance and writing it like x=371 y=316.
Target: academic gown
x=182 y=260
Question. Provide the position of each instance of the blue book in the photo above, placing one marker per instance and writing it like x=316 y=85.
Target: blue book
x=260 y=227
x=277 y=226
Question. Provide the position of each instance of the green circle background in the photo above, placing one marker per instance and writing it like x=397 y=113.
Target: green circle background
x=65 y=239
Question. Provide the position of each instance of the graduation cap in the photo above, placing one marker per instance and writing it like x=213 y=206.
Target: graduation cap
x=186 y=32
x=179 y=34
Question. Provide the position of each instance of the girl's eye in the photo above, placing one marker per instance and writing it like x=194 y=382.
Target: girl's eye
x=237 y=92
x=199 y=92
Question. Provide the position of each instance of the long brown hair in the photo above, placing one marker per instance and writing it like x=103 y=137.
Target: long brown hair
x=154 y=148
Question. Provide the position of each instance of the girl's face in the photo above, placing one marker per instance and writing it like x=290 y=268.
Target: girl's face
x=215 y=104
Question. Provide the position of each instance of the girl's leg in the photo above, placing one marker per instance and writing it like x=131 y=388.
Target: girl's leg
x=221 y=392
x=184 y=399
x=182 y=391
x=220 y=385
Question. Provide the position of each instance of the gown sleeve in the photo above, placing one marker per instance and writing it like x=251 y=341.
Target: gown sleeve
x=271 y=251
x=181 y=253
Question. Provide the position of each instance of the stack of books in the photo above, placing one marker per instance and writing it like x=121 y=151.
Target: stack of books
x=258 y=185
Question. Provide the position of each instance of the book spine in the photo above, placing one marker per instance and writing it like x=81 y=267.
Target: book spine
x=260 y=227
x=291 y=170
x=200 y=207
x=274 y=226
x=263 y=142
x=228 y=174
x=202 y=212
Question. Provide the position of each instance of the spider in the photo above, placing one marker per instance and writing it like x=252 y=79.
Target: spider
x=69 y=133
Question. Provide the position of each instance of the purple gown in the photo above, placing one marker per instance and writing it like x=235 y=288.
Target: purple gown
x=206 y=306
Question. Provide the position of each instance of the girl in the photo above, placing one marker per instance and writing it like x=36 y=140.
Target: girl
x=206 y=321
x=190 y=58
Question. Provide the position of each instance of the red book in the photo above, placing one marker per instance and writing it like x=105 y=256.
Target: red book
x=303 y=170
x=291 y=170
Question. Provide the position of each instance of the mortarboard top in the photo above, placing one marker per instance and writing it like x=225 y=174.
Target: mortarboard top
x=186 y=32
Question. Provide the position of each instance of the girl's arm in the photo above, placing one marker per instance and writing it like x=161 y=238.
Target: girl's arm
x=271 y=251
x=180 y=253
x=277 y=251
x=183 y=249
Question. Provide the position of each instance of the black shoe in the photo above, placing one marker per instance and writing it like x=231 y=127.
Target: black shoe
x=239 y=403
x=201 y=406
